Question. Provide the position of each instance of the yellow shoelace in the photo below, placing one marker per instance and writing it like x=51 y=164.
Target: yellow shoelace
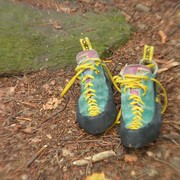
x=135 y=82
x=89 y=92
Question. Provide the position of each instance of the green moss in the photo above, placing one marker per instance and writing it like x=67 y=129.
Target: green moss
x=29 y=42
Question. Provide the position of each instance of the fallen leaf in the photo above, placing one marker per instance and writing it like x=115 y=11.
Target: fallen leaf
x=163 y=37
x=55 y=24
x=66 y=152
x=36 y=139
x=130 y=158
x=28 y=130
x=96 y=176
x=17 y=127
x=11 y=90
x=150 y=154
x=65 y=169
x=53 y=82
x=46 y=86
x=49 y=136
x=52 y=103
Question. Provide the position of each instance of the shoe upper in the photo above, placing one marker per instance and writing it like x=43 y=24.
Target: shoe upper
x=94 y=89
x=137 y=95
x=96 y=109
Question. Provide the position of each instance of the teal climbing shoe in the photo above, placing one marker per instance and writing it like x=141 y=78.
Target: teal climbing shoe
x=140 y=120
x=96 y=109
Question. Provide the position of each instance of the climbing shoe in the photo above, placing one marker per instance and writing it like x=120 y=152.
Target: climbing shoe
x=140 y=119
x=96 y=109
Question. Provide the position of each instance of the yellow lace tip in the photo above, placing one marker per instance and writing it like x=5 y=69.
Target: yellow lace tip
x=150 y=66
x=118 y=122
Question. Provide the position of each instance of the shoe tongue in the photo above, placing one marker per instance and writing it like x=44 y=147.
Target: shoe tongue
x=86 y=55
x=136 y=69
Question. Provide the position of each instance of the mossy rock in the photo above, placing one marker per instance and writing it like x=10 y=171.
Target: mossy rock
x=29 y=41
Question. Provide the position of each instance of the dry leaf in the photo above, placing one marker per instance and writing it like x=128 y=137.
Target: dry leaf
x=163 y=37
x=52 y=103
x=53 y=82
x=49 y=136
x=11 y=90
x=36 y=139
x=17 y=127
x=66 y=152
x=96 y=176
x=46 y=86
x=130 y=158
x=150 y=154
x=55 y=24
x=28 y=130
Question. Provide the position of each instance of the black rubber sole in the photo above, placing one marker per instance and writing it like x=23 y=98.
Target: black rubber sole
x=99 y=124
x=143 y=136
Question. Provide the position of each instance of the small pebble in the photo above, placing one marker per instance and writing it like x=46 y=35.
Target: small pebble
x=24 y=177
x=64 y=168
x=152 y=172
x=133 y=173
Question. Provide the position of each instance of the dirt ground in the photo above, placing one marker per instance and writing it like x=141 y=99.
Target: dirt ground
x=35 y=121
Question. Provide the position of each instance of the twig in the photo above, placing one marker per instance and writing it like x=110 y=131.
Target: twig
x=55 y=114
x=23 y=118
x=28 y=164
x=168 y=66
x=30 y=104
x=173 y=122
x=58 y=161
x=84 y=141
x=159 y=160
x=89 y=166
x=72 y=92
x=40 y=152
x=176 y=127
x=177 y=137
x=95 y=158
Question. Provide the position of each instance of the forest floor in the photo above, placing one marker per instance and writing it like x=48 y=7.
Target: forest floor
x=39 y=135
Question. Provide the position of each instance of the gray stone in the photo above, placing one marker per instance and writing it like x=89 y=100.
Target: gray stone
x=142 y=7
x=33 y=39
